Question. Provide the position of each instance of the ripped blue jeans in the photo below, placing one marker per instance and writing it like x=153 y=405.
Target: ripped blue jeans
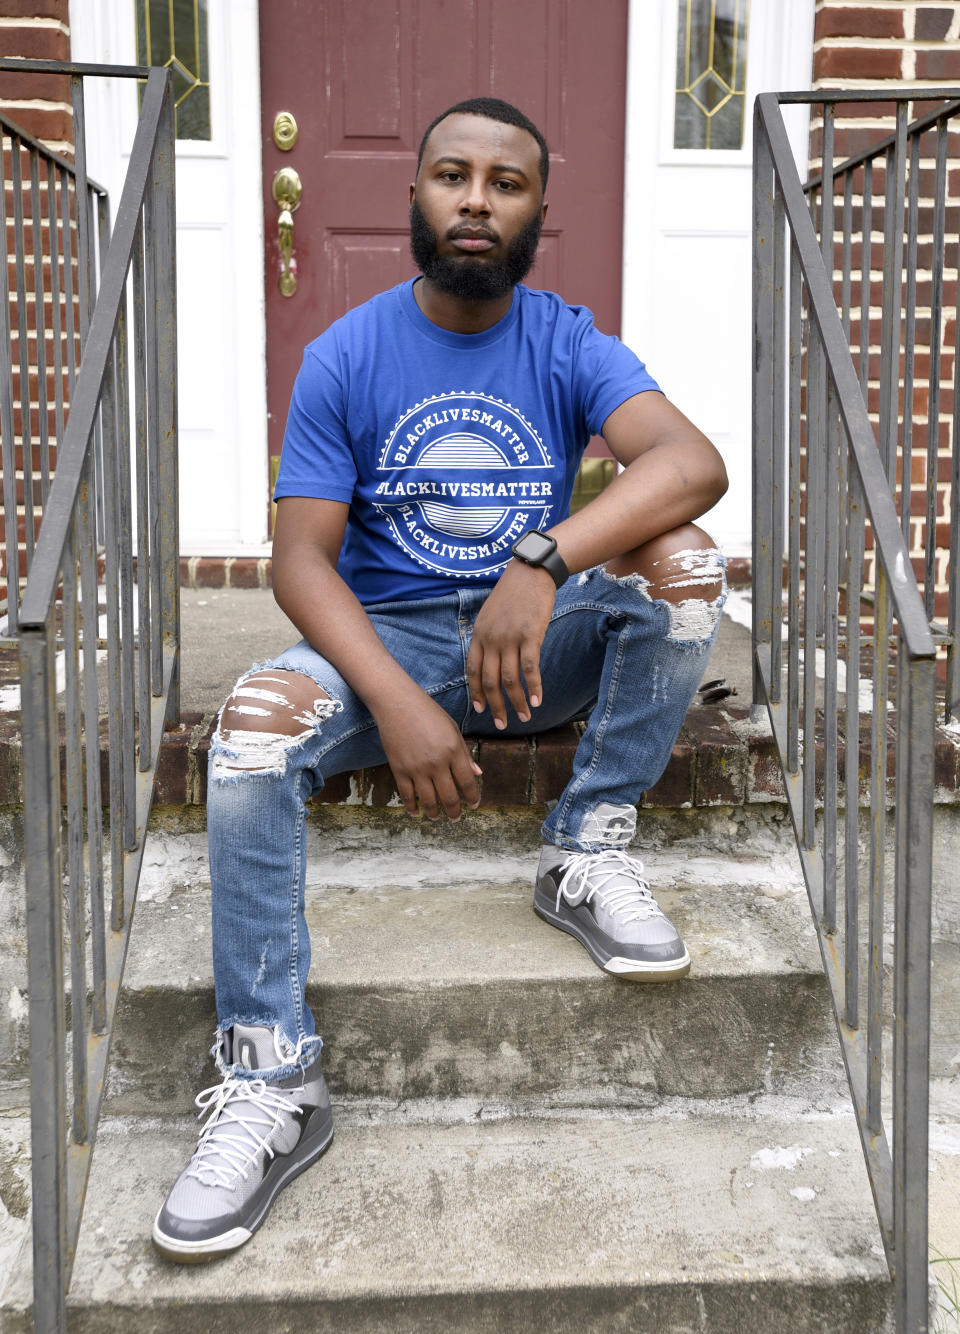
x=626 y=663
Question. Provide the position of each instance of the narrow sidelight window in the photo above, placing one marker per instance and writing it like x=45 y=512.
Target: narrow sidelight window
x=711 y=73
x=174 y=33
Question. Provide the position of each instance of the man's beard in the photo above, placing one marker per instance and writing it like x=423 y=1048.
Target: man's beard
x=469 y=279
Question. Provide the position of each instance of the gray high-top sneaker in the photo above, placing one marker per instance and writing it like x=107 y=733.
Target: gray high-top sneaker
x=256 y=1138
x=602 y=900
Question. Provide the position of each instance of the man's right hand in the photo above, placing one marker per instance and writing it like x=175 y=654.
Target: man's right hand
x=428 y=756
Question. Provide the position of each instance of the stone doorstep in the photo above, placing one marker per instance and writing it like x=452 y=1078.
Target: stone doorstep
x=720 y=759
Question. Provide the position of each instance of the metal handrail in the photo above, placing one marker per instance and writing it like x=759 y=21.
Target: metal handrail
x=850 y=482
x=91 y=514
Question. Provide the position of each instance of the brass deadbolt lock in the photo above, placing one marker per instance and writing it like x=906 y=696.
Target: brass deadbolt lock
x=285 y=131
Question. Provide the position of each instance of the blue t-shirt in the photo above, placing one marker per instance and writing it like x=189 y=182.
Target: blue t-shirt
x=448 y=447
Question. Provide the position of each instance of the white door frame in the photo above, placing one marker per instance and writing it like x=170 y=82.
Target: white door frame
x=103 y=31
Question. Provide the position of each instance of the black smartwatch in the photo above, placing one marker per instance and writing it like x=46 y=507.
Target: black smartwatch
x=536 y=548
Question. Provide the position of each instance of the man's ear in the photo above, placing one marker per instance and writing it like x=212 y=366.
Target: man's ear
x=543 y=212
x=413 y=191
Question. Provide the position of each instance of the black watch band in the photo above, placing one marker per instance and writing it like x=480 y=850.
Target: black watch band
x=536 y=548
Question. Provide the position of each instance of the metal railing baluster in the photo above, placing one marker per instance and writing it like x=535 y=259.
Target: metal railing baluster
x=144 y=657
x=763 y=412
x=830 y=567
x=952 y=701
x=153 y=454
x=43 y=425
x=11 y=553
x=73 y=748
x=112 y=594
x=793 y=541
x=165 y=234
x=933 y=409
x=44 y=976
x=851 y=879
x=23 y=342
x=878 y=815
x=812 y=576
x=909 y=340
x=778 y=461
x=831 y=583
x=89 y=622
x=866 y=277
x=55 y=296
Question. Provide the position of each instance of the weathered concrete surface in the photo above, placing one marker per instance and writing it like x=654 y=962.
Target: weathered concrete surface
x=693 y=1223
x=945 y=1220
x=225 y=631
x=426 y=991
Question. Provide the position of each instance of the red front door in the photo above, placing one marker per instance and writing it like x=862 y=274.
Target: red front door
x=363 y=79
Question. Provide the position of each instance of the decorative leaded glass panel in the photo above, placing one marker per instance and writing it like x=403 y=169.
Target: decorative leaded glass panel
x=174 y=33
x=711 y=73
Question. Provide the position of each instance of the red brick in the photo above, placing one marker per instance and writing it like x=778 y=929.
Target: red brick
x=553 y=762
x=857 y=62
x=243 y=573
x=53 y=125
x=40 y=9
x=939 y=64
x=209 y=573
x=765 y=777
x=506 y=772
x=379 y=786
x=336 y=790
x=721 y=765
x=27 y=87
x=853 y=22
x=676 y=786
x=36 y=44
x=170 y=788
x=931 y=25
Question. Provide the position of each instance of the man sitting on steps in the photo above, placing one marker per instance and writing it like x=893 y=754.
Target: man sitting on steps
x=424 y=548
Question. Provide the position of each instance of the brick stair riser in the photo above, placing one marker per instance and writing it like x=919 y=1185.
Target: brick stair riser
x=717 y=761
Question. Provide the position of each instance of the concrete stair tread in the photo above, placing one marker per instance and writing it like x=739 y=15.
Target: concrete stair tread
x=681 y=1218
x=428 y=991
x=482 y=932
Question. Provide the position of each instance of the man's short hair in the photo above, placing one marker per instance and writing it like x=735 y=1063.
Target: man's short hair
x=494 y=108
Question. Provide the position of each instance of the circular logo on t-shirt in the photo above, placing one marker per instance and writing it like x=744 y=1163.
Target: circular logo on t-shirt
x=465 y=475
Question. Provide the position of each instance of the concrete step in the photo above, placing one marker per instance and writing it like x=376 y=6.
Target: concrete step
x=426 y=986
x=732 y=1223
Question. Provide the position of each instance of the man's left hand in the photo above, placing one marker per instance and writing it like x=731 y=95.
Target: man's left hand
x=505 y=651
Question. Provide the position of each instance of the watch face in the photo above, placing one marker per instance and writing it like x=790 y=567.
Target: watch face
x=535 y=547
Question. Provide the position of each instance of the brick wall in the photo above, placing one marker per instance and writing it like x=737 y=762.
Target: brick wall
x=907 y=44
x=40 y=105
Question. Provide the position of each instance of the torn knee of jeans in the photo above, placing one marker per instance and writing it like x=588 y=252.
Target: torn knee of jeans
x=632 y=580
x=694 y=621
x=236 y=751
x=697 y=567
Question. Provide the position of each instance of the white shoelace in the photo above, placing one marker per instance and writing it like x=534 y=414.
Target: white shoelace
x=588 y=875
x=234 y=1138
